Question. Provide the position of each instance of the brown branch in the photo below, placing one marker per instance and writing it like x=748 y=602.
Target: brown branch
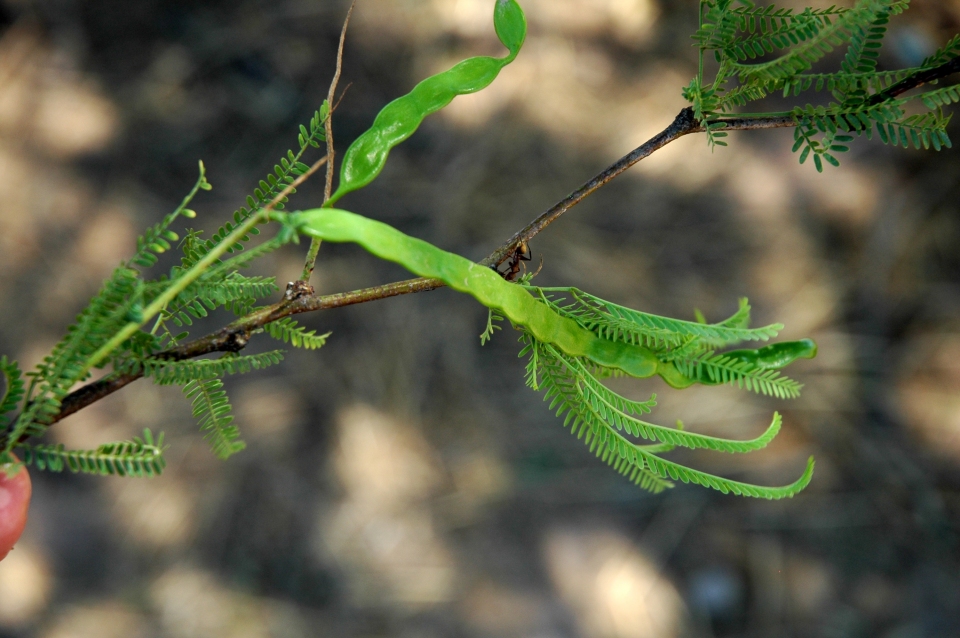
x=235 y=336
x=683 y=124
x=917 y=79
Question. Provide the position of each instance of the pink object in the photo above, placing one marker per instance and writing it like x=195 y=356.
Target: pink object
x=14 y=502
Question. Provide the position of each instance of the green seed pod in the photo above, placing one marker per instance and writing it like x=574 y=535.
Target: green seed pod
x=482 y=283
x=777 y=355
x=773 y=357
x=517 y=304
x=399 y=119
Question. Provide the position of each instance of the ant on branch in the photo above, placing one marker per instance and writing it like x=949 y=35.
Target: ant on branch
x=515 y=263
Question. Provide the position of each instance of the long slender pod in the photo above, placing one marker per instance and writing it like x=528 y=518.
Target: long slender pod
x=515 y=302
x=399 y=119
x=426 y=260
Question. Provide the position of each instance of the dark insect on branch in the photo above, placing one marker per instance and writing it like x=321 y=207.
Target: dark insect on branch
x=521 y=253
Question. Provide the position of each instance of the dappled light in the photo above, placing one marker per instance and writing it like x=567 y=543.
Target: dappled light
x=26 y=585
x=613 y=590
x=629 y=21
x=401 y=481
x=105 y=620
x=46 y=100
x=155 y=515
x=930 y=392
x=192 y=603
x=382 y=530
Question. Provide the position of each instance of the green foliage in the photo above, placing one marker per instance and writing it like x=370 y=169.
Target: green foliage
x=211 y=408
x=117 y=303
x=941 y=97
x=284 y=174
x=228 y=266
x=157 y=238
x=742 y=40
x=105 y=333
x=183 y=372
x=597 y=415
x=289 y=331
x=487 y=334
x=722 y=368
x=13 y=391
x=617 y=323
x=863 y=52
x=141 y=457
x=234 y=291
x=688 y=346
x=944 y=54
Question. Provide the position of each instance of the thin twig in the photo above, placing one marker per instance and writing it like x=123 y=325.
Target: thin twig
x=334 y=107
x=331 y=93
x=234 y=337
x=292 y=186
x=917 y=79
x=314 y=250
x=683 y=124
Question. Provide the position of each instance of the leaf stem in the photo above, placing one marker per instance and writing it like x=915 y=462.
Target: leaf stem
x=180 y=284
x=311 y=261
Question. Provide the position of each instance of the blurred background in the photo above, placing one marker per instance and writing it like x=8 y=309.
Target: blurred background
x=402 y=481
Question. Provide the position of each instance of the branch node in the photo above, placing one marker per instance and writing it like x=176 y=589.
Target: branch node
x=297 y=289
x=236 y=341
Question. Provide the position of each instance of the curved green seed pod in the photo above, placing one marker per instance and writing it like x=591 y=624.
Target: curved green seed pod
x=482 y=283
x=773 y=357
x=426 y=260
x=778 y=355
x=674 y=378
x=399 y=119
